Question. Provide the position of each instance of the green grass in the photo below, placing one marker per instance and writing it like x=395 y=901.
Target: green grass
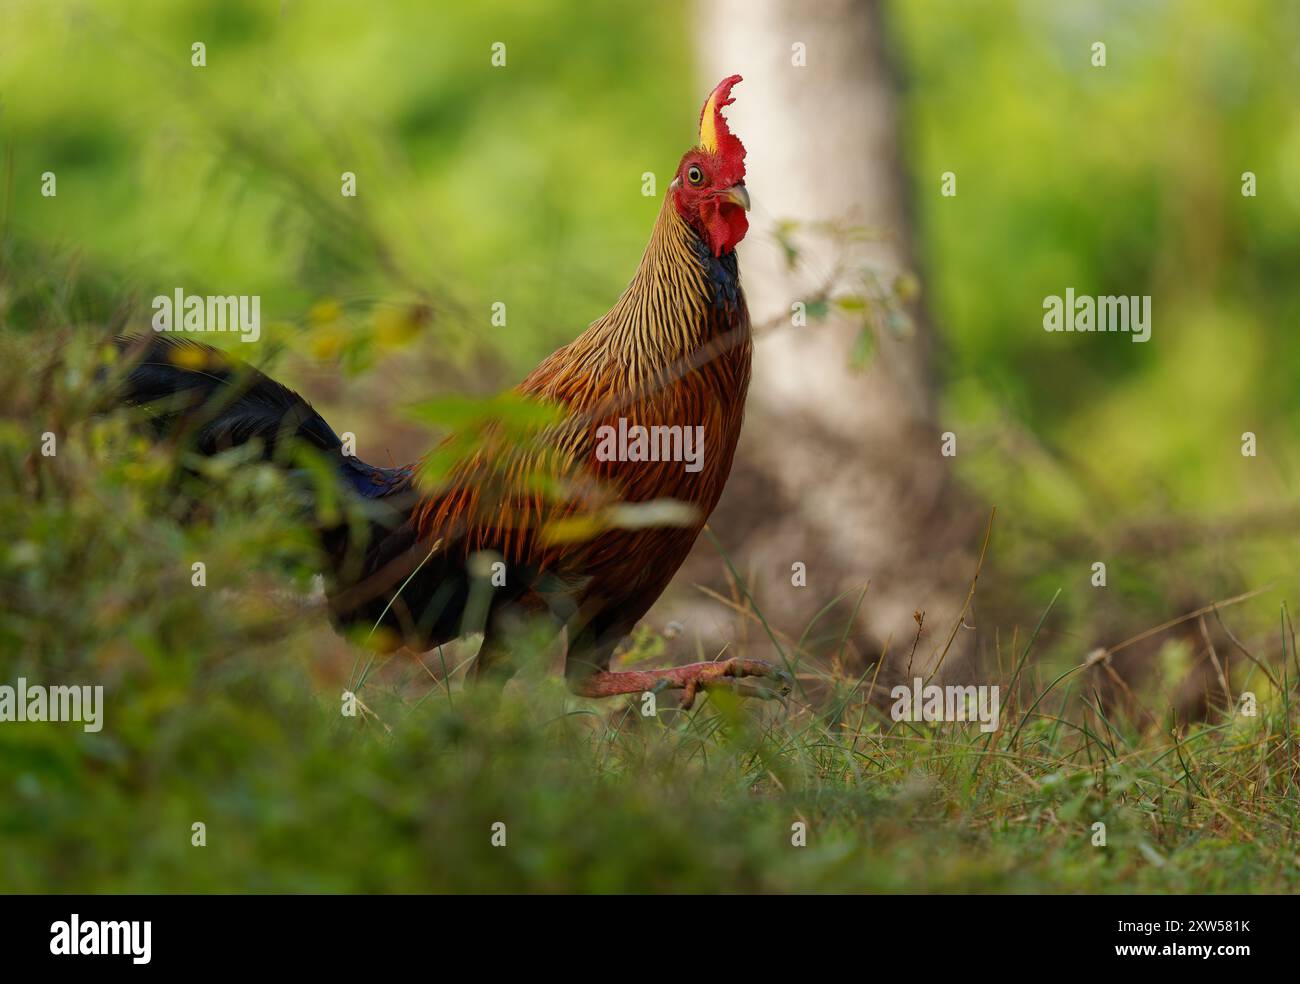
x=223 y=706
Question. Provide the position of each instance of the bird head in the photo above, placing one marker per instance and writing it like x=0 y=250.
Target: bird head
x=709 y=189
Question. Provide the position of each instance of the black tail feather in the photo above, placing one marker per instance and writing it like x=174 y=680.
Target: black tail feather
x=202 y=398
x=219 y=402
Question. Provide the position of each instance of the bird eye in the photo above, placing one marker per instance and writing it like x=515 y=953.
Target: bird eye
x=694 y=175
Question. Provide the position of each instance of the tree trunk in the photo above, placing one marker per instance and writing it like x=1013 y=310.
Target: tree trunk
x=839 y=468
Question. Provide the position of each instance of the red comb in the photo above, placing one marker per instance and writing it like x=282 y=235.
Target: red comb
x=715 y=136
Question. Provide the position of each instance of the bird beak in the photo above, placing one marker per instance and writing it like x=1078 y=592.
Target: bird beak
x=738 y=195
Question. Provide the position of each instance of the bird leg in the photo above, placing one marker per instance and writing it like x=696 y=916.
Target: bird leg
x=689 y=678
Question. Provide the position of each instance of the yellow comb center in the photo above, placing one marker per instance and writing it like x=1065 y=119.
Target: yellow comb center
x=709 y=125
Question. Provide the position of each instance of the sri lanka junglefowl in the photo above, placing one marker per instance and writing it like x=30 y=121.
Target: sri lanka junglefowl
x=566 y=524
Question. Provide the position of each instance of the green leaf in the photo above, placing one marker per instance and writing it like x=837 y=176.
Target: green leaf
x=864 y=349
x=515 y=411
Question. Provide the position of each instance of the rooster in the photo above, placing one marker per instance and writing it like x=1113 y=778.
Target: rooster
x=673 y=353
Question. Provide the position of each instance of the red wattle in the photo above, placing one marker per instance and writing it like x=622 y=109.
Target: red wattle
x=724 y=224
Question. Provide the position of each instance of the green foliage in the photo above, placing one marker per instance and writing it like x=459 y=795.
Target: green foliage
x=1123 y=179
x=474 y=183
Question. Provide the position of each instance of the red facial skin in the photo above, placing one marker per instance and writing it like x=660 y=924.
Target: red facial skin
x=720 y=222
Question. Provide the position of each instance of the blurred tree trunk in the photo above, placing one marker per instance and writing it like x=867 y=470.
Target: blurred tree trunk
x=839 y=467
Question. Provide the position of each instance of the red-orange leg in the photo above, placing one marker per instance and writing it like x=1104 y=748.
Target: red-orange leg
x=688 y=678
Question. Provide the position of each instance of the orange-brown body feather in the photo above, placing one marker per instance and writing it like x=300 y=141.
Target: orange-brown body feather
x=673 y=351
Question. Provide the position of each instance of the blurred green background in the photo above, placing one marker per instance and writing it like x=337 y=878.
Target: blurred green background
x=471 y=185
x=477 y=183
x=1126 y=180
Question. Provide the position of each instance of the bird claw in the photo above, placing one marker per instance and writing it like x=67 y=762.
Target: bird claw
x=729 y=674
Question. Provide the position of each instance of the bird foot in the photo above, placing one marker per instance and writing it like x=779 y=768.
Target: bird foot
x=724 y=673
x=729 y=674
